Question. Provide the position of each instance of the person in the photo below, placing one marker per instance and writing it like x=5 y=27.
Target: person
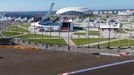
x=46 y=46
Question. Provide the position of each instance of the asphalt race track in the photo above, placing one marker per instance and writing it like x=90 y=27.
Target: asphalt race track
x=124 y=69
x=25 y=62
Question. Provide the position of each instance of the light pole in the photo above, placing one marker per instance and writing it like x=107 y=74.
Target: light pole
x=130 y=34
x=119 y=36
x=59 y=34
x=88 y=31
x=35 y=33
x=99 y=36
x=68 y=35
x=108 y=22
x=28 y=33
x=78 y=38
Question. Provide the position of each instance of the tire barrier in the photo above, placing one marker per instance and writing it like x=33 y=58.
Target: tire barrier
x=20 y=47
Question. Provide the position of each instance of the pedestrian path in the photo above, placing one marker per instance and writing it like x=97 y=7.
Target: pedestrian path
x=70 y=41
x=103 y=42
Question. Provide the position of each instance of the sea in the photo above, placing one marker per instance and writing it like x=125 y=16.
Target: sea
x=23 y=14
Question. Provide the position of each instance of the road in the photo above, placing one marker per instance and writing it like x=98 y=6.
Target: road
x=124 y=69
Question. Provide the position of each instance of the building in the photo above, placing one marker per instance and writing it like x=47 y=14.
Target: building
x=74 y=11
x=126 y=13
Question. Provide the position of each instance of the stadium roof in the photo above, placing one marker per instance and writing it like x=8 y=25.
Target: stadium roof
x=77 y=9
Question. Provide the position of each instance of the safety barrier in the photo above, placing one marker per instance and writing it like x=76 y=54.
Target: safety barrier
x=20 y=47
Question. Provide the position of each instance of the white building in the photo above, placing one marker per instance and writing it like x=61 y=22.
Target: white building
x=125 y=13
x=73 y=11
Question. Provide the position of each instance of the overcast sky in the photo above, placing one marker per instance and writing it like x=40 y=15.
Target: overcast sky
x=43 y=5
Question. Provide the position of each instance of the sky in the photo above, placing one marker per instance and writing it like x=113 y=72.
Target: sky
x=43 y=5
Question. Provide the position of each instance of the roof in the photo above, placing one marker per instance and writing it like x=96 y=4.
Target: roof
x=67 y=9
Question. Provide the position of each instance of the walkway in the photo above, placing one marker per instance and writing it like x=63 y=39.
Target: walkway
x=70 y=41
x=103 y=42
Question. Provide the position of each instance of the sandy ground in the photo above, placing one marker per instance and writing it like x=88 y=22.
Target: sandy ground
x=20 y=62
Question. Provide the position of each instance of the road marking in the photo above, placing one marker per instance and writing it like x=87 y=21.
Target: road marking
x=98 y=67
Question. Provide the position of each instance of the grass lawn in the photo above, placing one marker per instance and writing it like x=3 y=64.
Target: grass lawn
x=120 y=31
x=16 y=28
x=93 y=32
x=24 y=25
x=84 y=33
x=49 y=41
x=122 y=43
x=129 y=30
x=80 y=33
x=86 y=40
x=37 y=36
x=9 y=34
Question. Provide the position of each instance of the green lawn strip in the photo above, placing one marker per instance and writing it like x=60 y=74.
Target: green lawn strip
x=84 y=33
x=79 y=33
x=24 y=25
x=9 y=34
x=129 y=30
x=49 y=41
x=120 y=31
x=93 y=32
x=36 y=35
x=121 y=42
x=16 y=28
x=86 y=40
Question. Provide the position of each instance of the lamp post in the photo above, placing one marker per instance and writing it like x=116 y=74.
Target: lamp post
x=119 y=36
x=108 y=22
x=88 y=32
x=68 y=35
x=59 y=35
x=78 y=38
x=130 y=34
x=99 y=36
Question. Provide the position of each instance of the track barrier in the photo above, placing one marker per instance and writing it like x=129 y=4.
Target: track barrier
x=20 y=47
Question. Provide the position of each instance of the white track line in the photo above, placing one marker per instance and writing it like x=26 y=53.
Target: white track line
x=98 y=67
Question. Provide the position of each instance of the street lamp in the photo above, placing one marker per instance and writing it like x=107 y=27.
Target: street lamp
x=99 y=35
x=88 y=31
x=68 y=35
x=130 y=34
x=78 y=38
x=108 y=22
x=119 y=36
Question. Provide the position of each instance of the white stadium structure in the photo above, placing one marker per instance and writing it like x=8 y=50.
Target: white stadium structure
x=73 y=11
